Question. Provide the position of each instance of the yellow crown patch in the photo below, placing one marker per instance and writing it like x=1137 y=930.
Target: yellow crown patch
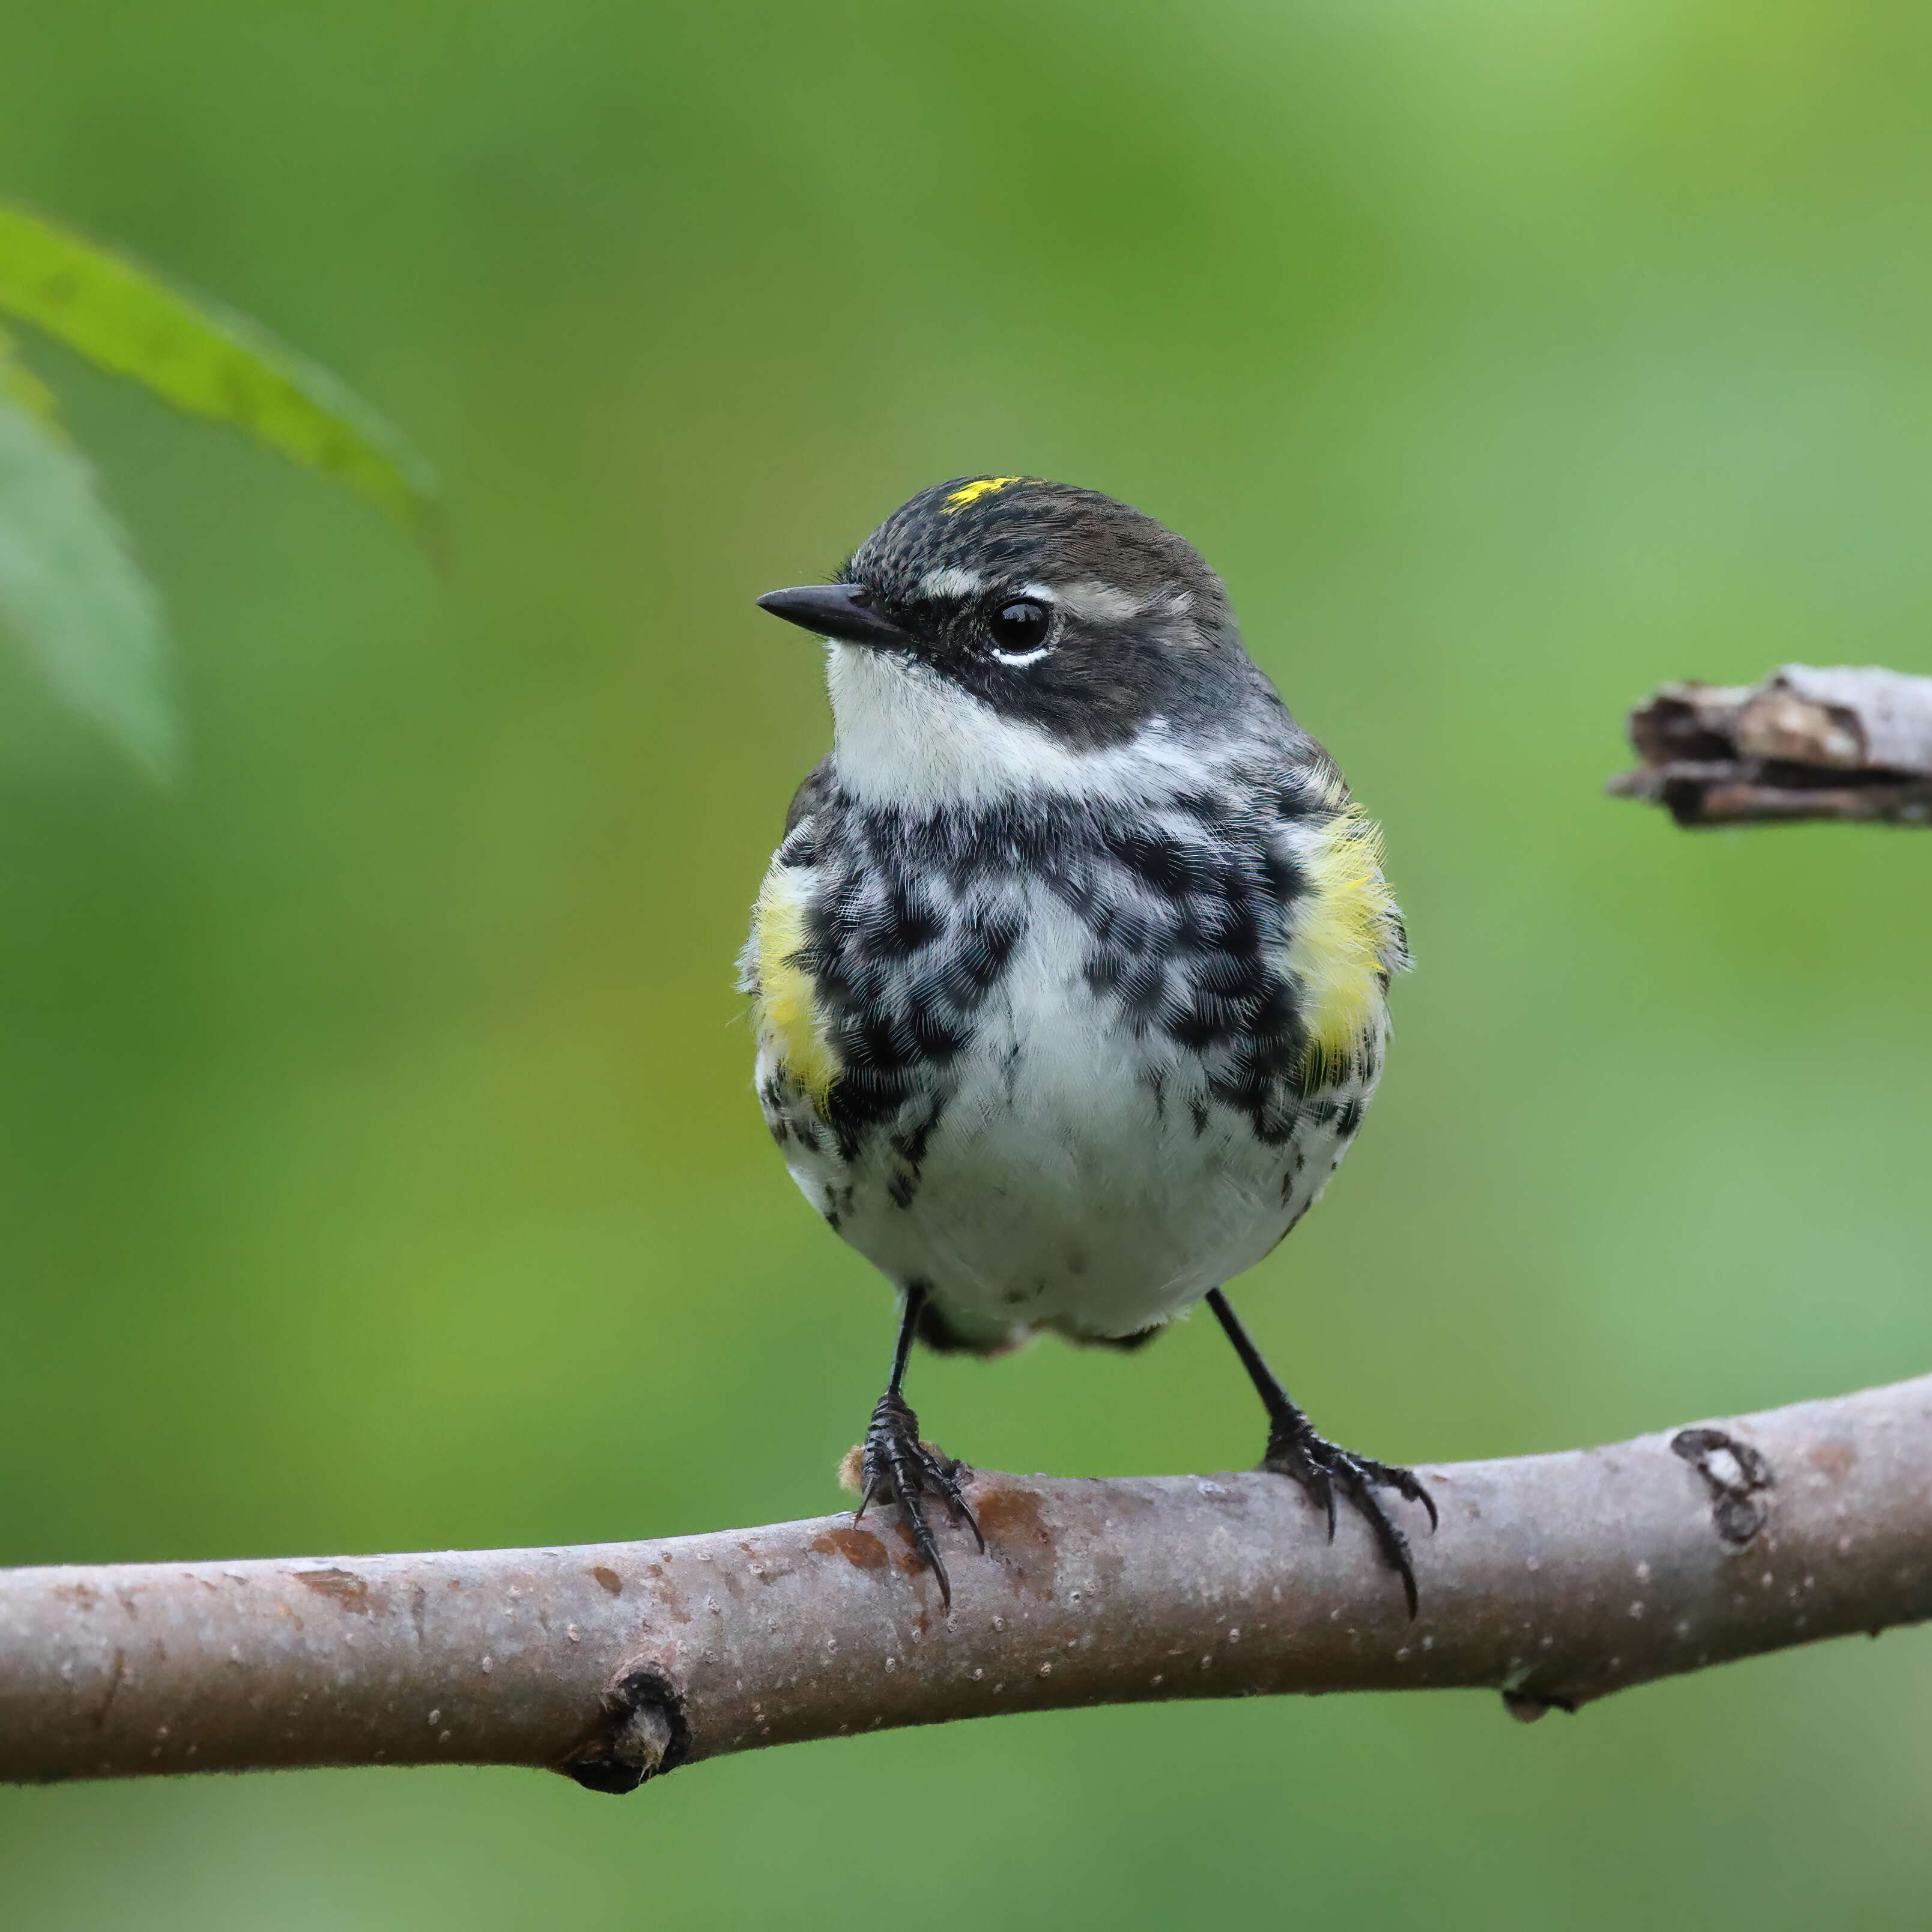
x=971 y=493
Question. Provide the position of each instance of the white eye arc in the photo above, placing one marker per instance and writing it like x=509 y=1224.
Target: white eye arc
x=1024 y=627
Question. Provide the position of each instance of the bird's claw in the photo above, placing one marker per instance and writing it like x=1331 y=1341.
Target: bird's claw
x=1322 y=1467
x=897 y=1467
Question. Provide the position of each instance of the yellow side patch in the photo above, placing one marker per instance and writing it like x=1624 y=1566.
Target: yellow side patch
x=1345 y=938
x=786 y=1008
x=971 y=493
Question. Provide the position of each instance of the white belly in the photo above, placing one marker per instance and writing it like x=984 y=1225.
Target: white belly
x=1080 y=1175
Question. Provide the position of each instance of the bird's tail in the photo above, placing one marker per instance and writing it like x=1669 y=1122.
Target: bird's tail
x=947 y=1332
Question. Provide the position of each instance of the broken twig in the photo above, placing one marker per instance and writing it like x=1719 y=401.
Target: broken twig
x=1803 y=744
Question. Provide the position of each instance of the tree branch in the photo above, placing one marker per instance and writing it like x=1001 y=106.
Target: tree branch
x=1804 y=743
x=1555 y=1579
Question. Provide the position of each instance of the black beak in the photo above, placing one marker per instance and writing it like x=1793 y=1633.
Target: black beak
x=841 y=610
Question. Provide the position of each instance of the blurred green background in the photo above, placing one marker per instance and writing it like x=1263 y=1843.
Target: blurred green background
x=379 y=1166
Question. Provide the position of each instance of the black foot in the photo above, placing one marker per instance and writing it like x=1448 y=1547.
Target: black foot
x=900 y=1467
x=1321 y=1467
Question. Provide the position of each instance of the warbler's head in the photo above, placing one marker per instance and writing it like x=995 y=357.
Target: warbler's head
x=998 y=634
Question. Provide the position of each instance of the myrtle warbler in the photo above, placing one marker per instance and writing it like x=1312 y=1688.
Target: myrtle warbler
x=1069 y=976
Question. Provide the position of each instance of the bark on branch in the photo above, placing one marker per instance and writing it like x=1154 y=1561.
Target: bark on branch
x=1804 y=743
x=1555 y=1579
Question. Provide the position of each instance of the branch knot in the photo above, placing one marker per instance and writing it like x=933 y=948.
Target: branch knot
x=641 y=1734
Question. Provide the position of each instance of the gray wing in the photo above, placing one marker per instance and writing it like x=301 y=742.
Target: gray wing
x=811 y=795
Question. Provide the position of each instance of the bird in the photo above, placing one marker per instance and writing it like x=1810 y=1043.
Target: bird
x=1069 y=976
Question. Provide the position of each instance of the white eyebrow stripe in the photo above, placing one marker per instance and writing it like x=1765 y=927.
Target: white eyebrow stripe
x=1018 y=658
x=951 y=582
x=1040 y=593
x=1101 y=603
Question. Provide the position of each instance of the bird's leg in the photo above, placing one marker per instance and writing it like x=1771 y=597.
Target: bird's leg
x=1321 y=1467
x=899 y=1467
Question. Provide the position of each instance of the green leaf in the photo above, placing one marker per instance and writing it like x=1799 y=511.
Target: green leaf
x=206 y=362
x=72 y=595
x=19 y=384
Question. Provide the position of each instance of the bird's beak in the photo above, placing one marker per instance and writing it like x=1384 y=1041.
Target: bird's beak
x=841 y=610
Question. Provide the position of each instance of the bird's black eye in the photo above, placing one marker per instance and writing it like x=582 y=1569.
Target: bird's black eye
x=1020 y=626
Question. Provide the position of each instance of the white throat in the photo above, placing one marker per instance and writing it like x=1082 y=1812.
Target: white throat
x=905 y=737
